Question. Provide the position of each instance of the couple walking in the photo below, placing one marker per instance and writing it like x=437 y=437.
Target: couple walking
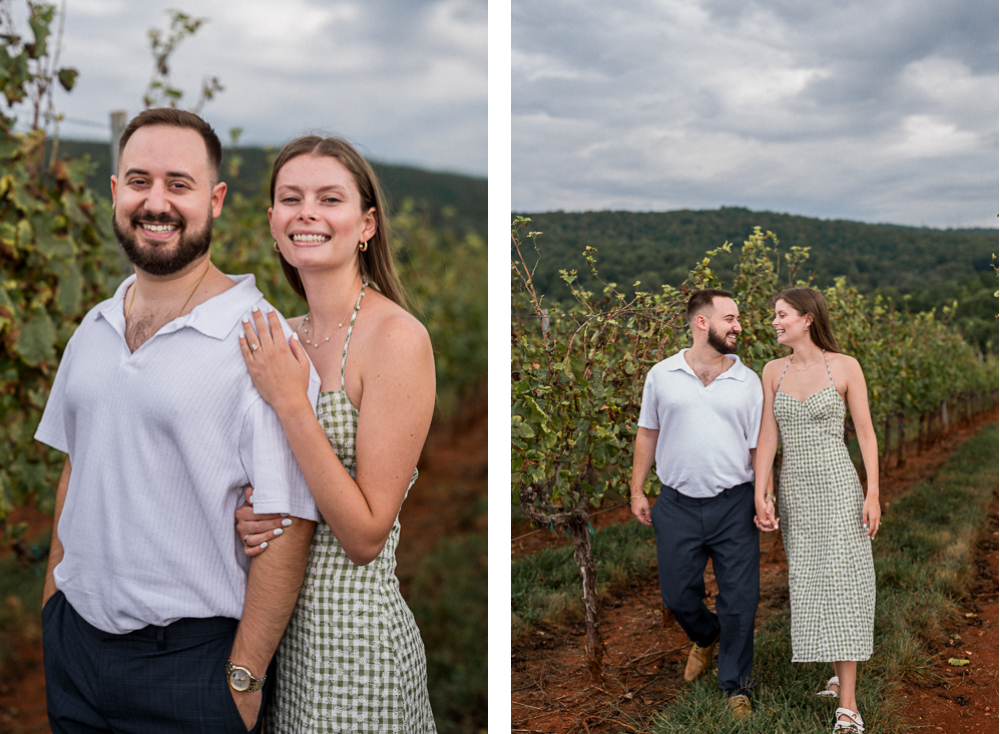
x=166 y=602
x=712 y=426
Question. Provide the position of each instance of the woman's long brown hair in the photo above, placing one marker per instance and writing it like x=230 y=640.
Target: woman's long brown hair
x=810 y=301
x=376 y=262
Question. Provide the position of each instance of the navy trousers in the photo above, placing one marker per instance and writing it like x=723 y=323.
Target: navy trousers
x=156 y=680
x=689 y=531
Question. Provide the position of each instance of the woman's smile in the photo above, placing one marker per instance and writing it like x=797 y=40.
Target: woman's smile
x=307 y=239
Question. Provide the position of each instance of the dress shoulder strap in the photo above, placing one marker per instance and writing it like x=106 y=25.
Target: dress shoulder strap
x=828 y=372
x=350 y=330
x=782 y=378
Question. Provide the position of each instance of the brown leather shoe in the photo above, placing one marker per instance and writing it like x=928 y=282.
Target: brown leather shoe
x=740 y=706
x=699 y=660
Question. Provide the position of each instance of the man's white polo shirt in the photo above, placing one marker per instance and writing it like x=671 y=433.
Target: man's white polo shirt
x=161 y=443
x=706 y=431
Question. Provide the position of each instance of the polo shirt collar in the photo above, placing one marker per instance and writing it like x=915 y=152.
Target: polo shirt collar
x=215 y=317
x=737 y=372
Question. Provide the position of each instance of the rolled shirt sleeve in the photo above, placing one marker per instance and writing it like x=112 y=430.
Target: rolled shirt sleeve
x=278 y=484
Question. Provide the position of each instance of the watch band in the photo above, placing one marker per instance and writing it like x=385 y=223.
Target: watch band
x=241 y=679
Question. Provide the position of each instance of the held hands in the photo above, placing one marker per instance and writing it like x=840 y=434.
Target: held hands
x=279 y=369
x=640 y=508
x=765 y=519
x=256 y=531
x=871 y=514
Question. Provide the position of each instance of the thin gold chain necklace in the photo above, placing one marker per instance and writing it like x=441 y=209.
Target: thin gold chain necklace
x=314 y=343
x=135 y=287
x=792 y=358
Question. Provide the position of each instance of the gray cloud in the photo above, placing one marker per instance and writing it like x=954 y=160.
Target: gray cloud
x=405 y=79
x=874 y=111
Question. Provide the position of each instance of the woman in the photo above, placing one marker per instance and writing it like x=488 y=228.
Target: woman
x=827 y=522
x=351 y=658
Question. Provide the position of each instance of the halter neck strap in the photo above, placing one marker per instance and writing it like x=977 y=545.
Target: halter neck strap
x=782 y=378
x=789 y=363
x=350 y=330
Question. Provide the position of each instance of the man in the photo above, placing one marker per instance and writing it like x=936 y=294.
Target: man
x=150 y=606
x=699 y=421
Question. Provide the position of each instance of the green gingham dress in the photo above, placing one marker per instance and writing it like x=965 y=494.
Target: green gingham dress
x=831 y=577
x=351 y=659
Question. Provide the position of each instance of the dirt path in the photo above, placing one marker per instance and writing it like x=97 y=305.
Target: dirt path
x=646 y=650
x=448 y=498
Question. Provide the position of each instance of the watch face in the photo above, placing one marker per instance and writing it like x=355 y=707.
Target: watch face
x=239 y=679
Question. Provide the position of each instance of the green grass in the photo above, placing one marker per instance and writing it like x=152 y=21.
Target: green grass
x=448 y=599
x=923 y=560
x=546 y=586
x=20 y=606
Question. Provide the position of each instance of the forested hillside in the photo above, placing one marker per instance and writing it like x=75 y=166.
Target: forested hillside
x=919 y=268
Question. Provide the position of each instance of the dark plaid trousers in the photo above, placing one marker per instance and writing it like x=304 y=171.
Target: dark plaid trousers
x=689 y=531
x=156 y=680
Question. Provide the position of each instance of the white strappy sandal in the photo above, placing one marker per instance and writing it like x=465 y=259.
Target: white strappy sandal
x=828 y=691
x=854 y=726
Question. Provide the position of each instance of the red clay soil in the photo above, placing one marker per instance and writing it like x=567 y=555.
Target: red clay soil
x=444 y=501
x=645 y=650
x=964 y=699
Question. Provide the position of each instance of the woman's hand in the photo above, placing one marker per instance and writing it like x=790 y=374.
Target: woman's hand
x=765 y=519
x=257 y=530
x=871 y=514
x=279 y=369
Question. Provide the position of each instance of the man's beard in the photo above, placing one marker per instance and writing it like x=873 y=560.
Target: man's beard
x=150 y=259
x=718 y=342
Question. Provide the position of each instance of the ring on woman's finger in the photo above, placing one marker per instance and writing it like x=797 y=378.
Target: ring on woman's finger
x=254 y=347
x=246 y=539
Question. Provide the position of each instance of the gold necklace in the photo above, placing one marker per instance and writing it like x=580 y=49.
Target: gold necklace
x=135 y=287
x=315 y=344
x=792 y=358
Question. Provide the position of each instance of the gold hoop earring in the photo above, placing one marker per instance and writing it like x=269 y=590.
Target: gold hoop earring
x=276 y=247
x=363 y=245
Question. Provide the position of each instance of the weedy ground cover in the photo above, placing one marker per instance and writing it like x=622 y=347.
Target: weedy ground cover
x=545 y=586
x=20 y=601
x=448 y=600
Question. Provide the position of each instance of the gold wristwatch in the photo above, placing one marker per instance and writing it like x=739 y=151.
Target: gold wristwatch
x=242 y=680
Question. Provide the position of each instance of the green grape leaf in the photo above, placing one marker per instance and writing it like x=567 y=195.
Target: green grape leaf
x=525 y=431
x=67 y=78
x=69 y=293
x=23 y=200
x=55 y=247
x=36 y=342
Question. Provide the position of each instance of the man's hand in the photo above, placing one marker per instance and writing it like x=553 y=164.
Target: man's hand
x=640 y=508
x=765 y=519
x=248 y=703
x=642 y=462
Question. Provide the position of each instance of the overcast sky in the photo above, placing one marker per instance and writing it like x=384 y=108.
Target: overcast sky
x=405 y=79
x=873 y=111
